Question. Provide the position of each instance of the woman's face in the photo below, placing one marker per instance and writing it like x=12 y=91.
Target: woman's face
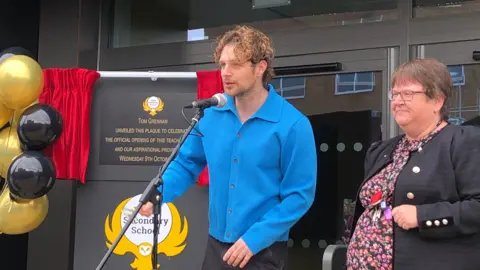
x=410 y=104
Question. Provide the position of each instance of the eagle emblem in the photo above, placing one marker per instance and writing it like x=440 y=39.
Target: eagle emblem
x=137 y=239
x=153 y=105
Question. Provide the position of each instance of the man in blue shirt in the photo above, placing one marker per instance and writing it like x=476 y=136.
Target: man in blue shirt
x=261 y=157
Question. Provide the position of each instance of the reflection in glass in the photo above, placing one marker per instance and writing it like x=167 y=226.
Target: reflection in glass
x=357 y=82
x=289 y=87
x=432 y=8
x=196 y=34
x=465 y=100
x=147 y=22
x=344 y=127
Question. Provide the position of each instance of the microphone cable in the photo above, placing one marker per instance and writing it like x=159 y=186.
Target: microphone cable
x=186 y=120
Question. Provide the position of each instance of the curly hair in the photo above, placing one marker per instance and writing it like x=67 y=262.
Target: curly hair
x=249 y=44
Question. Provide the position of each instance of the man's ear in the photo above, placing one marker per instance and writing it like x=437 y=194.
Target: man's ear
x=261 y=68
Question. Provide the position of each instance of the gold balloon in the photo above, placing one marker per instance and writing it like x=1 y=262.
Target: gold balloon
x=5 y=114
x=18 y=217
x=21 y=81
x=18 y=113
x=10 y=147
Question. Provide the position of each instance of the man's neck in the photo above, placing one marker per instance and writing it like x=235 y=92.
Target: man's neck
x=251 y=102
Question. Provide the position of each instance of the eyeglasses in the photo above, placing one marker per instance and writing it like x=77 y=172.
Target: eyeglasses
x=404 y=95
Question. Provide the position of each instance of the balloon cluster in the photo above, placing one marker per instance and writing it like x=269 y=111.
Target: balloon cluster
x=26 y=128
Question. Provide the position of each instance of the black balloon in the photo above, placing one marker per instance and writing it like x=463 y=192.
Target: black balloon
x=31 y=175
x=38 y=126
x=12 y=51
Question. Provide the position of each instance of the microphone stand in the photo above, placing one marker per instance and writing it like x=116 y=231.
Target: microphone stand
x=154 y=195
x=157 y=214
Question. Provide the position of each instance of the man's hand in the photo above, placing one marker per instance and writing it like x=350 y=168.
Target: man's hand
x=147 y=209
x=405 y=216
x=238 y=254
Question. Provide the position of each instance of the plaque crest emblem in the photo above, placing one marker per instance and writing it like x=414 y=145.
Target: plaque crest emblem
x=153 y=105
x=137 y=240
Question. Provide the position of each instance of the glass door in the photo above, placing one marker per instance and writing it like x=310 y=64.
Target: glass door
x=465 y=72
x=348 y=110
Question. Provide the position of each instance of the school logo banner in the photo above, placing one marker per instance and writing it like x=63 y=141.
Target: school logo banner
x=138 y=238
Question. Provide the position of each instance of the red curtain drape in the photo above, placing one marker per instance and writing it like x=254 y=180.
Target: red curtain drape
x=209 y=84
x=70 y=92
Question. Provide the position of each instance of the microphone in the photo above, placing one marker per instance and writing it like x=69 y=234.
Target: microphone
x=218 y=100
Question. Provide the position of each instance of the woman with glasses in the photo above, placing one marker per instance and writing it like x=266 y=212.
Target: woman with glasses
x=419 y=205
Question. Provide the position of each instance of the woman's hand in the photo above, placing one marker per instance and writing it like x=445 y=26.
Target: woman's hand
x=405 y=216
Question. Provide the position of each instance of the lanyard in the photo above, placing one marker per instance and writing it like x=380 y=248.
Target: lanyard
x=382 y=204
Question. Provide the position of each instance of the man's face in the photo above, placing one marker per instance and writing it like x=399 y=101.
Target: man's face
x=238 y=76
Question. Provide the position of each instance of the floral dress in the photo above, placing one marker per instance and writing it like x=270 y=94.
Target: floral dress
x=371 y=246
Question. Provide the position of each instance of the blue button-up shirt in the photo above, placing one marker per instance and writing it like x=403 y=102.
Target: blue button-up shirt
x=263 y=172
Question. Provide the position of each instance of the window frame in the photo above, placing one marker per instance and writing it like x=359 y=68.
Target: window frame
x=289 y=88
x=355 y=82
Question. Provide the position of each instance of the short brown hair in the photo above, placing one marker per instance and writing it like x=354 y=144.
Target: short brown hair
x=432 y=75
x=250 y=45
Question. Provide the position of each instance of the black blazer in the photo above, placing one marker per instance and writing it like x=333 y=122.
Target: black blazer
x=443 y=181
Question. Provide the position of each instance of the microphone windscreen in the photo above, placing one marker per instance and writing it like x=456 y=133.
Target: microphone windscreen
x=222 y=100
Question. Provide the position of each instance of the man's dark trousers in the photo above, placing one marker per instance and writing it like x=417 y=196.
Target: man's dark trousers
x=271 y=258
